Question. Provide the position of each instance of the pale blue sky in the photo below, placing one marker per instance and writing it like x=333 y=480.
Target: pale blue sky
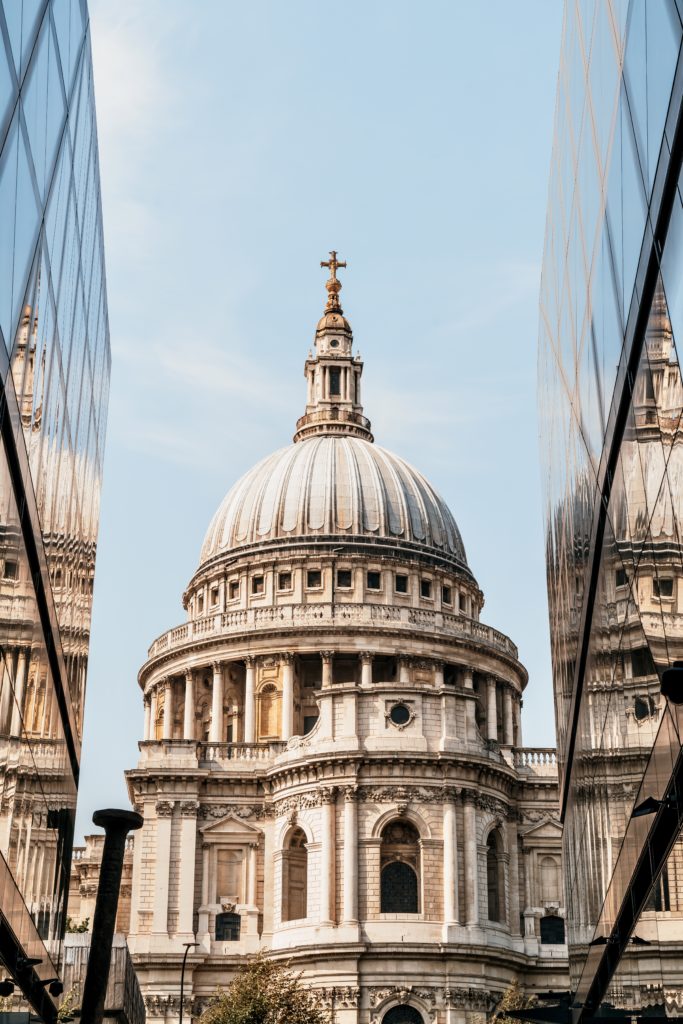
x=238 y=144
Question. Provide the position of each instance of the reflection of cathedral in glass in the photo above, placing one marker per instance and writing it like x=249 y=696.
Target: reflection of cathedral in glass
x=611 y=399
x=53 y=395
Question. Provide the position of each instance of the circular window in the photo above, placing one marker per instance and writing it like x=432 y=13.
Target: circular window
x=334 y=343
x=400 y=714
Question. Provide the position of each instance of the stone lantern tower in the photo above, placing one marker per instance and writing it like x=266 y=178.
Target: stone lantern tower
x=332 y=766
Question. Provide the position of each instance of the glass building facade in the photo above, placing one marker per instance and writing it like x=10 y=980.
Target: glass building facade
x=611 y=435
x=54 y=378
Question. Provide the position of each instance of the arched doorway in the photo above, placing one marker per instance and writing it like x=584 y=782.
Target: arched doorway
x=402 y=1015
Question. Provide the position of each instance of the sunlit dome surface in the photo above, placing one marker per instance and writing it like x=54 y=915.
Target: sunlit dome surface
x=333 y=485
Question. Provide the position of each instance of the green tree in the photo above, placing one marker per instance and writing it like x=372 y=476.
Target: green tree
x=265 y=992
x=513 y=998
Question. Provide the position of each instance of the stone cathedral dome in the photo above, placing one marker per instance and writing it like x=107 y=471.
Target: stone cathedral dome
x=333 y=481
x=334 y=484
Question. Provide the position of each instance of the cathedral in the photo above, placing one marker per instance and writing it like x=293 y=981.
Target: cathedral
x=332 y=767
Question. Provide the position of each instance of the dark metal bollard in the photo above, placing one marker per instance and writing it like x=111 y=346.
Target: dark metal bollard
x=116 y=825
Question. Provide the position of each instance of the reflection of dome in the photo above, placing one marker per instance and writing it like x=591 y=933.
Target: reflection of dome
x=334 y=484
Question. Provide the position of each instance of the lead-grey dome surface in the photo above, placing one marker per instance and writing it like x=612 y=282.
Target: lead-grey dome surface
x=333 y=485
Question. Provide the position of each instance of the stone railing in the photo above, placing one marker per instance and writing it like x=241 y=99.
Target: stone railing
x=535 y=760
x=238 y=753
x=300 y=616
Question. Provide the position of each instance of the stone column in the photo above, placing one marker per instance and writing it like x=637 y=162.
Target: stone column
x=327 y=657
x=216 y=727
x=350 y=857
x=450 y=868
x=403 y=670
x=252 y=876
x=327 y=859
x=513 y=887
x=162 y=866
x=518 y=722
x=153 y=712
x=471 y=730
x=249 y=701
x=168 y=710
x=18 y=704
x=365 y=668
x=508 y=734
x=287 y=661
x=186 y=862
x=491 y=712
x=470 y=859
x=148 y=711
x=188 y=721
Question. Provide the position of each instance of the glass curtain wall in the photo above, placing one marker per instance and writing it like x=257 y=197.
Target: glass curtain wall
x=54 y=379
x=610 y=405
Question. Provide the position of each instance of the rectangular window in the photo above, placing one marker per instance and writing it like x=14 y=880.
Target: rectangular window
x=234 y=589
x=374 y=581
x=200 y=604
x=11 y=570
x=314 y=579
x=620 y=578
x=335 y=382
x=214 y=596
x=447 y=595
x=401 y=584
x=425 y=588
x=344 y=578
x=662 y=587
x=257 y=585
x=642 y=663
x=284 y=581
x=463 y=603
x=228 y=927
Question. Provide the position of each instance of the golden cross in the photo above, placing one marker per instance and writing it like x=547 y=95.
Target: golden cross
x=333 y=263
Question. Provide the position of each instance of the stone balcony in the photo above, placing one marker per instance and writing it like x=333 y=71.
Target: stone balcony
x=302 y=616
x=535 y=761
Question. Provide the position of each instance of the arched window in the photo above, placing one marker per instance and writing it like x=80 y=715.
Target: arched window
x=269 y=726
x=295 y=877
x=402 y=1015
x=552 y=930
x=495 y=877
x=550 y=880
x=400 y=869
x=159 y=724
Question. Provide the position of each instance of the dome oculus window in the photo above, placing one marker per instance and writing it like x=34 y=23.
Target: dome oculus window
x=314 y=579
x=334 y=343
x=399 y=714
x=425 y=588
x=374 y=580
x=401 y=584
x=344 y=578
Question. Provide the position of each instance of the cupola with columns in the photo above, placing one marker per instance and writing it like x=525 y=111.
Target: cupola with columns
x=332 y=753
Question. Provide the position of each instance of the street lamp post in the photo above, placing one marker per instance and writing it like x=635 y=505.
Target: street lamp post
x=188 y=946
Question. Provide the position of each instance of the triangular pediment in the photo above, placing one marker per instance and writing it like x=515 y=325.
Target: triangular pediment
x=230 y=825
x=547 y=828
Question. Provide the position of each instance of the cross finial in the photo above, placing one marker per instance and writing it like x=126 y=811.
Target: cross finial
x=333 y=285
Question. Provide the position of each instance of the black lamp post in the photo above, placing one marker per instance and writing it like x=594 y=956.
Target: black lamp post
x=116 y=825
x=188 y=946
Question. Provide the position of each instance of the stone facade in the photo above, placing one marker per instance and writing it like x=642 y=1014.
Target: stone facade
x=332 y=766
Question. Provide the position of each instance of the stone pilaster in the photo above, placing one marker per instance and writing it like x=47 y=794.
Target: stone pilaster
x=287 y=661
x=250 y=701
x=470 y=861
x=491 y=710
x=188 y=840
x=450 y=866
x=216 y=727
x=162 y=866
x=19 y=685
x=168 y=710
x=188 y=721
x=350 y=857
x=327 y=856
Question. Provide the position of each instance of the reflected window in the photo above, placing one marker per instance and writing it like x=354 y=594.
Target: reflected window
x=644 y=707
x=620 y=578
x=642 y=663
x=660 y=898
x=662 y=587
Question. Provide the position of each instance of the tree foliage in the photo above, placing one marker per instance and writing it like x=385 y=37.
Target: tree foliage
x=514 y=998
x=265 y=992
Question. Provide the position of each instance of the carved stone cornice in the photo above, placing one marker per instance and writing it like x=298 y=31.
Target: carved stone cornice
x=244 y=811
